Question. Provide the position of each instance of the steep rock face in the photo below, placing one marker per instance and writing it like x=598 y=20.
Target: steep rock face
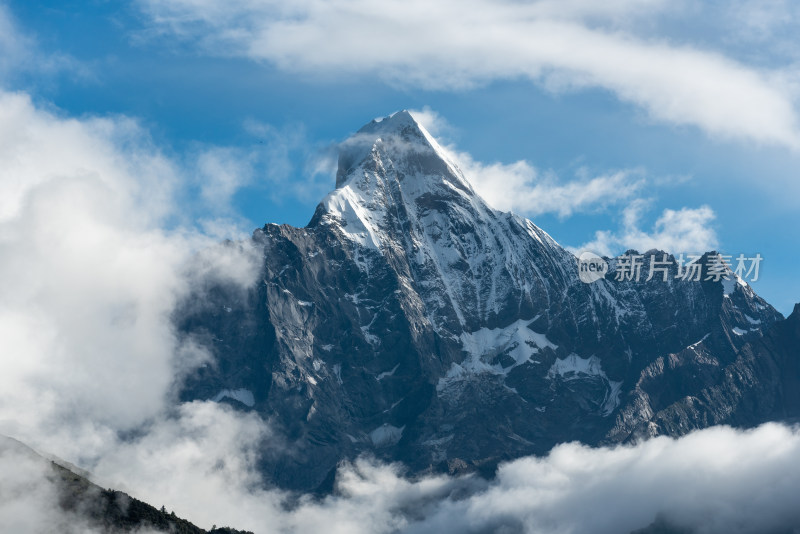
x=412 y=321
x=762 y=383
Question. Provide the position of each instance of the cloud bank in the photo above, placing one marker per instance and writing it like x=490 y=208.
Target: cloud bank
x=93 y=264
x=714 y=481
x=521 y=188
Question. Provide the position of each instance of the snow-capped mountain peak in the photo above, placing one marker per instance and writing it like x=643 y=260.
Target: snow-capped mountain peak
x=389 y=171
x=402 y=142
x=399 y=193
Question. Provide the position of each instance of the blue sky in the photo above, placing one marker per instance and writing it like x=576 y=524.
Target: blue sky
x=583 y=117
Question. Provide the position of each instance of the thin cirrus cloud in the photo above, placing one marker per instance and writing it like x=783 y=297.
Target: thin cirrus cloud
x=455 y=45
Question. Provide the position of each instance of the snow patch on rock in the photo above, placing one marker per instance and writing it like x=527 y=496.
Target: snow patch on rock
x=245 y=396
x=386 y=435
x=573 y=367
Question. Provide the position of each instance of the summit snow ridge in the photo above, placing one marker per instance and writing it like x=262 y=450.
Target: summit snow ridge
x=402 y=139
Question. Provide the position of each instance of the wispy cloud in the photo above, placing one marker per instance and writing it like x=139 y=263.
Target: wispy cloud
x=453 y=45
x=521 y=188
x=221 y=173
x=20 y=54
x=767 y=23
x=290 y=164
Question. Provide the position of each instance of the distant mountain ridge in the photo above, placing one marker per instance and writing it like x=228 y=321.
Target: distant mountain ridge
x=411 y=321
x=83 y=503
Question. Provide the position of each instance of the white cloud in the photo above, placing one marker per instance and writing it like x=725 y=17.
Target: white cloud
x=92 y=268
x=704 y=481
x=197 y=462
x=451 y=45
x=29 y=497
x=610 y=11
x=433 y=122
x=521 y=188
x=687 y=230
x=768 y=23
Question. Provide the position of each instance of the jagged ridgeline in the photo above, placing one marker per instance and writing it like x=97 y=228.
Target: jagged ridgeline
x=411 y=321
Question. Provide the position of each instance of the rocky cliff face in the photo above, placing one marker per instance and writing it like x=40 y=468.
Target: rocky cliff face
x=411 y=321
